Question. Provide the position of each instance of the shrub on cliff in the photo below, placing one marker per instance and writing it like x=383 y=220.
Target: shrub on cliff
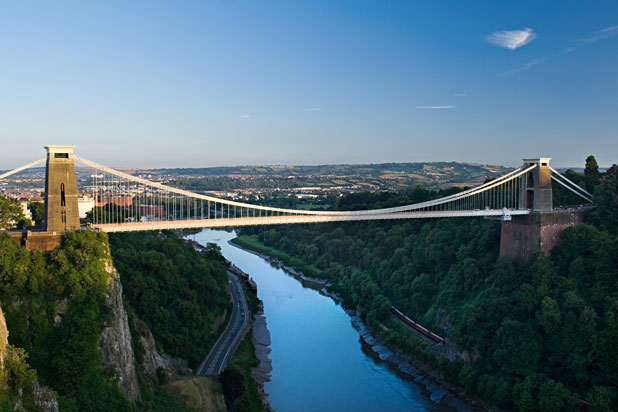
x=55 y=310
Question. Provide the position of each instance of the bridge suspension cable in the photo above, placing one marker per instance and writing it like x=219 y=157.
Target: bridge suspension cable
x=121 y=198
x=495 y=194
x=498 y=193
x=126 y=202
x=572 y=186
x=20 y=168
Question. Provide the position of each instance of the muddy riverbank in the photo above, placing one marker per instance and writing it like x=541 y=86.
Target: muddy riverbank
x=261 y=341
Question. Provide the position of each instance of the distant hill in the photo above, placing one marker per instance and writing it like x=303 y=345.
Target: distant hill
x=382 y=176
x=372 y=176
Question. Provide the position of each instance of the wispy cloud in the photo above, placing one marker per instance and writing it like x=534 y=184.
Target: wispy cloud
x=606 y=33
x=511 y=39
x=525 y=67
x=575 y=44
x=597 y=35
x=313 y=109
x=435 y=107
x=243 y=116
x=459 y=95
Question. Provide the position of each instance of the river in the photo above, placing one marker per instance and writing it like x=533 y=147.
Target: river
x=319 y=361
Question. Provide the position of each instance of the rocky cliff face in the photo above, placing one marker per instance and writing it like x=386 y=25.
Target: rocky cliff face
x=153 y=360
x=45 y=399
x=115 y=340
x=4 y=337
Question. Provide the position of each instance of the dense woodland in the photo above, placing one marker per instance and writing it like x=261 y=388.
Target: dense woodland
x=62 y=355
x=539 y=337
x=543 y=336
x=177 y=291
x=55 y=310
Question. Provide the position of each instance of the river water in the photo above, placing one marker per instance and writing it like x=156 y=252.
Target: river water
x=319 y=361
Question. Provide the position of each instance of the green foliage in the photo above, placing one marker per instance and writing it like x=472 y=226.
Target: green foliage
x=239 y=387
x=591 y=173
x=64 y=352
x=164 y=402
x=606 y=198
x=252 y=243
x=111 y=212
x=16 y=378
x=175 y=290
x=233 y=384
x=10 y=213
x=543 y=336
x=37 y=211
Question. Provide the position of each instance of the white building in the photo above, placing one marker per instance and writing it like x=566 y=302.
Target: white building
x=84 y=204
x=24 y=208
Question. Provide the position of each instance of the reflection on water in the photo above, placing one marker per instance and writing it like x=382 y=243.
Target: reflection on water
x=319 y=362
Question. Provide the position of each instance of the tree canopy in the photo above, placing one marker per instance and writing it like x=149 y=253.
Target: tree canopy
x=10 y=213
x=543 y=336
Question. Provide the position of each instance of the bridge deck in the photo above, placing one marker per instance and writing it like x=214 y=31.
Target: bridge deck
x=279 y=220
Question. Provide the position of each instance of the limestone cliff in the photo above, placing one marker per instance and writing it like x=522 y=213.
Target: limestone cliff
x=152 y=360
x=4 y=337
x=115 y=340
x=45 y=399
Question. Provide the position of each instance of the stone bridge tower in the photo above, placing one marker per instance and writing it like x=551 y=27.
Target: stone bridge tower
x=542 y=229
x=535 y=192
x=61 y=210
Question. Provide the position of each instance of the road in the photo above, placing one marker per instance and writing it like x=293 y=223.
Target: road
x=220 y=354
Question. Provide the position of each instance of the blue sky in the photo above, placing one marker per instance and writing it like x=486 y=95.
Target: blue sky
x=193 y=84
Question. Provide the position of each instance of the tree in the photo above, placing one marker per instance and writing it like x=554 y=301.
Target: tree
x=10 y=213
x=233 y=385
x=599 y=399
x=524 y=395
x=37 y=211
x=606 y=197
x=591 y=173
x=549 y=316
x=552 y=396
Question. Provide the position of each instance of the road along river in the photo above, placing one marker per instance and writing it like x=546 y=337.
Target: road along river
x=220 y=354
x=319 y=361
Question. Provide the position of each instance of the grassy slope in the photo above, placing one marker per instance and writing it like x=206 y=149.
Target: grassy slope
x=251 y=243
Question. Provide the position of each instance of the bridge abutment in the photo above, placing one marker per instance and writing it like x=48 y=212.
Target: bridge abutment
x=542 y=229
x=523 y=236
x=43 y=241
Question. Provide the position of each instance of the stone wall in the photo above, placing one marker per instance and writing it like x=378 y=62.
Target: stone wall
x=523 y=236
x=44 y=241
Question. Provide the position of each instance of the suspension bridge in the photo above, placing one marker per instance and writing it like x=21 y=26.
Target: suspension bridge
x=124 y=202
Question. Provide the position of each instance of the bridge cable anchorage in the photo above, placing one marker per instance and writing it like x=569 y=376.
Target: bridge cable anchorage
x=573 y=188
x=24 y=167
